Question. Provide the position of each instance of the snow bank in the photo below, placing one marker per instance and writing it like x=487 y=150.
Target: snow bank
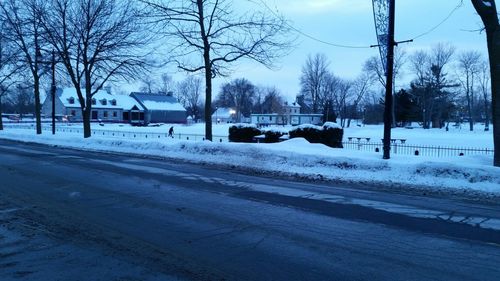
x=244 y=125
x=299 y=158
x=332 y=125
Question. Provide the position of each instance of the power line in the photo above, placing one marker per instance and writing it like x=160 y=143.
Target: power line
x=452 y=12
x=313 y=37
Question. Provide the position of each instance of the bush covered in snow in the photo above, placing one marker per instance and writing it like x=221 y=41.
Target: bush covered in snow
x=273 y=136
x=310 y=132
x=243 y=132
x=330 y=134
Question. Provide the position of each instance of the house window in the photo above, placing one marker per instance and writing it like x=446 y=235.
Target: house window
x=105 y=114
x=73 y=113
x=104 y=102
x=71 y=100
x=94 y=102
x=115 y=114
x=113 y=102
x=270 y=118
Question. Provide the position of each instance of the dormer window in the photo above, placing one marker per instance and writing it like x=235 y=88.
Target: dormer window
x=71 y=100
x=104 y=102
x=113 y=102
x=94 y=102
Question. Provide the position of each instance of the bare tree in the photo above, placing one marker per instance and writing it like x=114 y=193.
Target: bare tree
x=342 y=94
x=189 y=93
x=431 y=81
x=361 y=86
x=8 y=65
x=487 y=10
x=209 y=36
x=97 y=41
x=273 y=101
x=21 y=98
x=149 y=85
x=374 y=67
x=239 y=94
x=468 y=67
x=314 y=80
x=167 y=83
x=164 y=84
x=23 y=27
x=441 y=56
x=484 y=88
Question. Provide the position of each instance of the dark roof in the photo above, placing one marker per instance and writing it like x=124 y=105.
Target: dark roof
x=158 y=101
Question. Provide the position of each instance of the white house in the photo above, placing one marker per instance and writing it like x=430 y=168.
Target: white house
x=132 y=110
x=161 y=108
x=224 y=115
x=104 y=106
x=291 y=116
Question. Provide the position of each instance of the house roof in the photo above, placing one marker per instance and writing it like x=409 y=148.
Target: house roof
x=66 y=94
x=159 y=102
x=292 y=104
x=127 y=102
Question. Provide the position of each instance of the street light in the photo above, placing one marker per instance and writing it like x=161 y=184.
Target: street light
x=53 y=92
x=52 y=64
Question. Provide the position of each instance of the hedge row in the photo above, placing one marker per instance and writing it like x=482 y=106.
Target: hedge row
x=243 y=133
x=329 y=134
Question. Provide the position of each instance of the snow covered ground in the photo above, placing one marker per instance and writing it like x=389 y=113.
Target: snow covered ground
x=301 y=159
x=455 y=137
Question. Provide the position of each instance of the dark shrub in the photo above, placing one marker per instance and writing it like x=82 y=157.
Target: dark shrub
x=310 y=132
x=243 y=133
x=273 y=136
x=332 y=135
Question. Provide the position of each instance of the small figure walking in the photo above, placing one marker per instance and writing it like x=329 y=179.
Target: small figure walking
x=171 y=132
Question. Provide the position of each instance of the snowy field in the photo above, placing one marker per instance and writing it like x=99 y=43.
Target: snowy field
x=455 y=137
x=298 y=158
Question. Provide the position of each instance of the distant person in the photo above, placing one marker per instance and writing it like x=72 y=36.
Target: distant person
x=171 y=132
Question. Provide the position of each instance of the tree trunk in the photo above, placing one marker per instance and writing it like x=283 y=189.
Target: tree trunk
x=38 y=116
x=208 y=103
x=494 y=54
x=471 y=118
x=393 y=109
x=1 y=119
x=208 y=72
x=87 y=133
x=487 y=114
x=488 y=13
x=469 y=97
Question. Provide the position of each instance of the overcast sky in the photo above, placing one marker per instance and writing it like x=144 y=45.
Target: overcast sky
x=350 y=22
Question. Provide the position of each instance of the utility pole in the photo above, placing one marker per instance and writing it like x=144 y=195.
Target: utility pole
x=53 y=92
x=389 y=81
x=384 y=14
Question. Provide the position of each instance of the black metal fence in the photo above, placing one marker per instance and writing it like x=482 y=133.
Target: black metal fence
x=142 y=135
x=417 y=150
x=398 y=146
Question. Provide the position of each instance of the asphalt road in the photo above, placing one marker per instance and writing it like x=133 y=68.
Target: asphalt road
x=161 y=220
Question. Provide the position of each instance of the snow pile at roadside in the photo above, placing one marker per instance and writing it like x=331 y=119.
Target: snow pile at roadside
x=299 y=158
